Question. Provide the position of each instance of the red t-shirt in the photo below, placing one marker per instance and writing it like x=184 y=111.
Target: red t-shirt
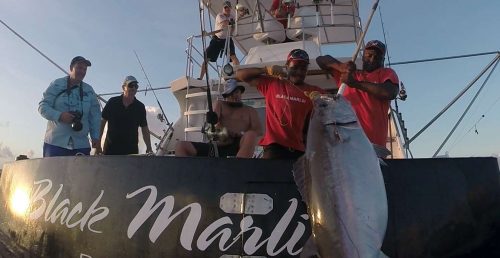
x=372 y=112
x=283 y=11
x=287 y=108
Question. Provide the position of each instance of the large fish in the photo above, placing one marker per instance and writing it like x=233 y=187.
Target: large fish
x=340 y=180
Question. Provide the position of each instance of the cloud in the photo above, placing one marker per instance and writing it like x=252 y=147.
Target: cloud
x=5 y=124
x=5 y=152
x=155 y=125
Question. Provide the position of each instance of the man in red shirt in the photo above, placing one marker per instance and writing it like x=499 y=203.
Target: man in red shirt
x=281 y=9
x=287 y=104
x=369 y=90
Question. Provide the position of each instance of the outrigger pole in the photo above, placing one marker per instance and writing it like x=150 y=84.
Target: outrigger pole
x=360 y=41
x=42 y=54
x=407 y=144
x=54 y=63
x=468 y=107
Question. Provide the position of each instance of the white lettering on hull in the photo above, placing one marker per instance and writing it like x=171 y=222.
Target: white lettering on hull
x=60 y=211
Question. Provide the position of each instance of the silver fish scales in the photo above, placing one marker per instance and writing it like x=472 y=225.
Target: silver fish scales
x=340 y=180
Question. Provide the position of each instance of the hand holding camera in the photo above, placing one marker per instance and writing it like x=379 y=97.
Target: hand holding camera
x=76 y=124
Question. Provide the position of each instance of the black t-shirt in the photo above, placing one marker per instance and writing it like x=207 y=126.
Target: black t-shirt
x=123 y=122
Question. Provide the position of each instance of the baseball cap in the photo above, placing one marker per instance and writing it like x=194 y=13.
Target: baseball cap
x=231 y=86
x=78 y=59
x=297 y=55
x=226 y=3
x=129 y=79
x=377 y=45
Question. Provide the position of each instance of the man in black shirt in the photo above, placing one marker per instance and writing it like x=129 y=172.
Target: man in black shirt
x=124 y=114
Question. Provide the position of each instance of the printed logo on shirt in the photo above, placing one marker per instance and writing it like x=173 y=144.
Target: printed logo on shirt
x=290 y=98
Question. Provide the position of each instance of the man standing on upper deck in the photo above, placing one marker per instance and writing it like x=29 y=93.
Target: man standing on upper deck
x=288 y=104
x=369 y=90
x=218 y=42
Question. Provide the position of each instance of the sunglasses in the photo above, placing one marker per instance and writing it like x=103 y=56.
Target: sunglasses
x=132 y=85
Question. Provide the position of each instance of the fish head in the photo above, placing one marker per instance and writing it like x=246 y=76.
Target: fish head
x=334 y=109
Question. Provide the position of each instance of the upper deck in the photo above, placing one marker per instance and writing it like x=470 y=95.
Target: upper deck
x=325 y=22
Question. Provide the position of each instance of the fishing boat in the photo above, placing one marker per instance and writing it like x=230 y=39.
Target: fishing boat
x=165 y=206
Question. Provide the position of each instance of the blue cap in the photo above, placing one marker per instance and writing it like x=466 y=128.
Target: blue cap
x=231 y=86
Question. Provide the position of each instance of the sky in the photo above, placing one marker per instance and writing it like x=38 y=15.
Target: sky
x=107 y=33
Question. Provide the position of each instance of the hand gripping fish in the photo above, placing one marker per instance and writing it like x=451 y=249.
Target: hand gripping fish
x=340 y=180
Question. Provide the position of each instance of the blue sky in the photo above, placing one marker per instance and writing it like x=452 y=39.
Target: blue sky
x=107 y=32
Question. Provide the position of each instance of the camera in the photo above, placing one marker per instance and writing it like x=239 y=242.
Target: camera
x=76 y=124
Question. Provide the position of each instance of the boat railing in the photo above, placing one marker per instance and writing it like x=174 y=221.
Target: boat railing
x=195 y=57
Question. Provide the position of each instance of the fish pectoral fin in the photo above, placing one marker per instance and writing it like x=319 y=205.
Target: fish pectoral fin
x=301 y=179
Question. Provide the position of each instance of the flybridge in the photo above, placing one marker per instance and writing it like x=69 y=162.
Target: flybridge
x=325 y=22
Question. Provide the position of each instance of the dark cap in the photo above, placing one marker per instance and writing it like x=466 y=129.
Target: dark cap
x=129 y=79
x=297 y=55
x=231 y=86
x=78 y=59
x=226 y=3
x=375 y=44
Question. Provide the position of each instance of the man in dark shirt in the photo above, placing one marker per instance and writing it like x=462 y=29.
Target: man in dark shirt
x=124 y=114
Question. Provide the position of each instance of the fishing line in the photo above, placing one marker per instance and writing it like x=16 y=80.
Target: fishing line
x=384 y=35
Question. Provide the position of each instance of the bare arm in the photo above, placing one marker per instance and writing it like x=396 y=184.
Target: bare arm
x=98 y=148
x=386 y=90
x=329 y=63
x=255 y=124
x=250 y=75
x=146 y=138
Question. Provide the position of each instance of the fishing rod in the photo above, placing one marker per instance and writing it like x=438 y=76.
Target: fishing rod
x=167 y=135
x=151 y=87
x=360 y=41
x=211 y=116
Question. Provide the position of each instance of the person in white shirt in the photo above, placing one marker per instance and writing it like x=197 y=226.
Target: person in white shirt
x=222 y=22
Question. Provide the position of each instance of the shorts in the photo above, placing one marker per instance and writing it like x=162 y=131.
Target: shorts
x=216 y=47
x=206 y=149
x=50 y=150
x=276 y=151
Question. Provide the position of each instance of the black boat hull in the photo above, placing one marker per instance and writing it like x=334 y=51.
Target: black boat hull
x=137 y=206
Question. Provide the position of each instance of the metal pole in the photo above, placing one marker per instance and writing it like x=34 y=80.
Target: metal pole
x=358 y=47
x=444 y=58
